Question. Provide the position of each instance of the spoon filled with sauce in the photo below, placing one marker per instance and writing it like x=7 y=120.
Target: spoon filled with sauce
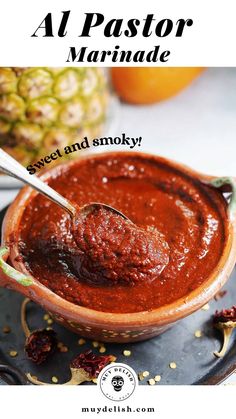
x=113 y=250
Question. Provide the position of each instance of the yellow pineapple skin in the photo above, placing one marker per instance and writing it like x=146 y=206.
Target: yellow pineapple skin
x=44 y=108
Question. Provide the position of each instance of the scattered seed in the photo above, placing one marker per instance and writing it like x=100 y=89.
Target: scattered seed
x=198 y=334
x=64 y=348
x=95 y=344
x=151 y=382
x=60 y=345
x=48 y=328
x=102 y=349
x=157 y=378
x=46 y=317
x=81 y=341
x=126 y=352
x=143 y=375
x=49 y=321
x=220 y=294
x=6 y=329
x=206 y=307
x=172 y=365
x=54 y=379
x=13 y=354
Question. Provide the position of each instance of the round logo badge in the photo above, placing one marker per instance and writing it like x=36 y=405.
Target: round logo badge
x=117 y=381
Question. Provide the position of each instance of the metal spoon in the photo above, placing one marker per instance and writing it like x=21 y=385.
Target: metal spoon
x=12 y=168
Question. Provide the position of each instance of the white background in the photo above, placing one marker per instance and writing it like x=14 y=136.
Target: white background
x=210 y=41
x=181 y=402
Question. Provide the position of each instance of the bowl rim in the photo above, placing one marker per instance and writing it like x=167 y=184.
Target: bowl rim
x=163 y=315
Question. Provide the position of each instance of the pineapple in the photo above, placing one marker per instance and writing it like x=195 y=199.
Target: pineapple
x=42 y=109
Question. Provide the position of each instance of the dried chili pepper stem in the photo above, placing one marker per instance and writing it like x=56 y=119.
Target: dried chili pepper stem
x=78 y=376
x=39 y=344
x=85 y=367
x=24 y=324
x=226 y=329
x=225 y=321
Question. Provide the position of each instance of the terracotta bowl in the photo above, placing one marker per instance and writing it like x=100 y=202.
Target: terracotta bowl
x=113 y=327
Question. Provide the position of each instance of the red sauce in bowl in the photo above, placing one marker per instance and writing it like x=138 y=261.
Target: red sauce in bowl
x=156 y=196
x=112 y=250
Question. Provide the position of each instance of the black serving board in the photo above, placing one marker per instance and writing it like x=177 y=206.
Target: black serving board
x=193 y=356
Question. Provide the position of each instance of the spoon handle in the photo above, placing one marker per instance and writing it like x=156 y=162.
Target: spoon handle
x=11 y=167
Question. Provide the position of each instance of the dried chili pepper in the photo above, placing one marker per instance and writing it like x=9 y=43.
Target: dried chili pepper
x=84 y=367
x=91 y=363
x=41 y=343
x=225 y=321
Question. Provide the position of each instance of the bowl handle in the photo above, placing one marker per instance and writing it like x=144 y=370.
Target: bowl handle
x=8 y=273
x=227 y=184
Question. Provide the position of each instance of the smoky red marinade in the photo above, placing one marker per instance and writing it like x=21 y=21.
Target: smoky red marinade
x=155 y=196
x=116 y=251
